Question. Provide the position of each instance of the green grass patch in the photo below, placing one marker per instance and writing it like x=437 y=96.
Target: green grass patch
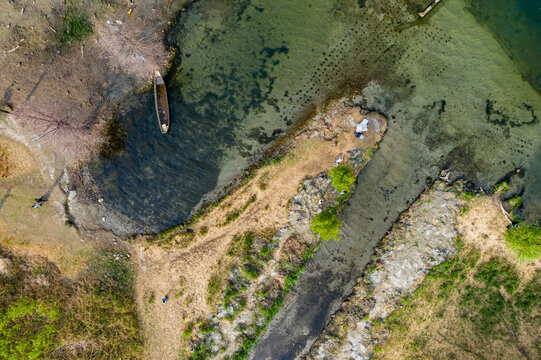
x=28 y=329
x=327 y=224
x=187 y=333
x=501 y=188
x=246 y=180
x=213 y=288
x=342 y=178
x=75 y=23
x=231 y=216
x=269 y=313
x=370 y=153
x=98 y=308
x=203 y=230
x=275 y=161
x=515 y=202
x=524 y=241
x=201 y=352
x=471 y=302
x=251 y=268
x=241 y=244
x=234 y=215
x=461 y=193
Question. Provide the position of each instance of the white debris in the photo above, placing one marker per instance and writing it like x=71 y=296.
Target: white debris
x=140 y=57
x=362 y=127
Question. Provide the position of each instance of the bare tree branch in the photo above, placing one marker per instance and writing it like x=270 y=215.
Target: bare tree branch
x=54 y=125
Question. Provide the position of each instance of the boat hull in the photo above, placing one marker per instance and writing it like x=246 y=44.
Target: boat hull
x=162 y=104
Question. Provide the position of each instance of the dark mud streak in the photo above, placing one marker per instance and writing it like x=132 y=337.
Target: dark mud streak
x=382 y=193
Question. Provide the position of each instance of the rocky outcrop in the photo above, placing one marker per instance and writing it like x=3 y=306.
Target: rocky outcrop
x=5 y=266
x=316 y=194
x=423 y=238
x=240 y=313
x=252 y=283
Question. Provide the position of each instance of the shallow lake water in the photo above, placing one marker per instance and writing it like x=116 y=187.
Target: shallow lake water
x=245 y=72
x=455 y=95
x=463 y=104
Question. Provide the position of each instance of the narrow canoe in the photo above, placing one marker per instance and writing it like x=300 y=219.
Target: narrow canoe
x=162 y=104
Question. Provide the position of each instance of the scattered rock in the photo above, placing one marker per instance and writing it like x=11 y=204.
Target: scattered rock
x=422 y=239
x=5 y=267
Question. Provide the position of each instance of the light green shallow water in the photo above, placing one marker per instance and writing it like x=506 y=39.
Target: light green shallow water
x=258 y=66
x=436 y=96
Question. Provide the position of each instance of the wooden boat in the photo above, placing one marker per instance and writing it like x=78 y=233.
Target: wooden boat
x=162 y=104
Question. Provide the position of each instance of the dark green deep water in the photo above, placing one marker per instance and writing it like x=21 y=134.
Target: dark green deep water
x=459 y=90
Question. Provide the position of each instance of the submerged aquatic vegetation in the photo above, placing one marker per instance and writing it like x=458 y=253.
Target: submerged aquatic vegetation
x=114 y=136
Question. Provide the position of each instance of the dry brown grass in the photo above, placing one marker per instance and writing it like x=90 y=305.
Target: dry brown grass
x=456 y=315
x=483 y=226
x=15 y=159
x=42 y=231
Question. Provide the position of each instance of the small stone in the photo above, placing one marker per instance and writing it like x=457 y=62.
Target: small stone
x=5 y=267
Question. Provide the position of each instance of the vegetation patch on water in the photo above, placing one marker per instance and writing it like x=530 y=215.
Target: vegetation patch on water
x=114 y=136
x=43 y=315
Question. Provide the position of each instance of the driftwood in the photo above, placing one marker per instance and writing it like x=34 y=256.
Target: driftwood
x=498 y=202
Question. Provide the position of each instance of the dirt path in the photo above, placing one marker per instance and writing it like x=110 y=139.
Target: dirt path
x=163 y=268
x=31 y=173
